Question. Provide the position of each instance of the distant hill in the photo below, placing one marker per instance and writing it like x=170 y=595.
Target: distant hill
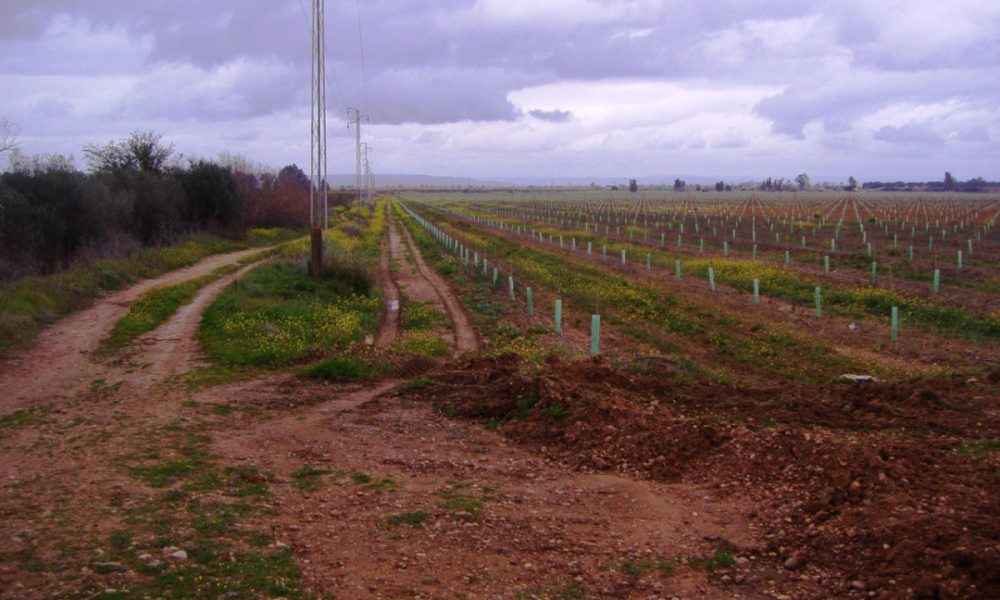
x=383 y=180
x=416 y=180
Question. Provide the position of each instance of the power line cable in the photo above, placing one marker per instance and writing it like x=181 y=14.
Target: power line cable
x=361 y=46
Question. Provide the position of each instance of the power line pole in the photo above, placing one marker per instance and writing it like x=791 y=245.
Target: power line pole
x=358 y=177
x=318 y=193
x=368 y=177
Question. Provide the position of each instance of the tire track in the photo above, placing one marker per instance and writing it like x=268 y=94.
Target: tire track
x=464 y=335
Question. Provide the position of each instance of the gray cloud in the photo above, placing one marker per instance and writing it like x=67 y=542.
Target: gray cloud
x=907 y=134
x=552 y=116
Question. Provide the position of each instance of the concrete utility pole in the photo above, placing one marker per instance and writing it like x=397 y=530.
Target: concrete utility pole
x=318 y=193
x=368 y=177
x=358 y=177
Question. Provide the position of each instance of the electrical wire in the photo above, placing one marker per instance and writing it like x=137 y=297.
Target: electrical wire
x=361 y=47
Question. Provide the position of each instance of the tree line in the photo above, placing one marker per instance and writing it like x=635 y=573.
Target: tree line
x=135 y=193
x=948 y=184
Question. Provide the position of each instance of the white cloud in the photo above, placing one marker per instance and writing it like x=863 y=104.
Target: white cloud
x=548 y=13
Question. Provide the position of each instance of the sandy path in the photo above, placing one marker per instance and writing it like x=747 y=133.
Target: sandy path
x=59 y=366
x=465 y=335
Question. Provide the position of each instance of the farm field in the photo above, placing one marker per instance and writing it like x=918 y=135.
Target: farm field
x=409 y=426
x=765 y=377
x=715 y=252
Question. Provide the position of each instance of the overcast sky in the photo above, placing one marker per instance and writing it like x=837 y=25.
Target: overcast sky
x=875 y=88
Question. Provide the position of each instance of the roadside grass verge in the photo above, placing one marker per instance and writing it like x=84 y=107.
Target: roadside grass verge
x=29 y=304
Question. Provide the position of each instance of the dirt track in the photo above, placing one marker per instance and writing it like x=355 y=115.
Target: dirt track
x=431 y=284
x=59 y=364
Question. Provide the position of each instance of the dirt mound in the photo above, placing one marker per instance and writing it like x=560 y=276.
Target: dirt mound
x=897 y=511
x=875 y=483
x=588 y=413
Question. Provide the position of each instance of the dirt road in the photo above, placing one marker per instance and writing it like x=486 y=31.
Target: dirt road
x=59 y=365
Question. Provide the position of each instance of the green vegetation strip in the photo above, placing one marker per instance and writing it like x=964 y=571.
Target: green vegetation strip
x=778 y=282
x=155 y=307
x=652 y=314
x=418 y=323
x=278 y=315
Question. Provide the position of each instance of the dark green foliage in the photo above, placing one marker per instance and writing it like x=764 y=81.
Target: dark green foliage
x=344 y=368
x=212 y=197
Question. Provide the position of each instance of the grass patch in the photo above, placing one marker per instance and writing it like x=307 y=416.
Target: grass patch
x=419 y=316
x=165 y=473
x=22 y=418
x=418 y=383
x=213 y=375
x=279 y=315
x=205 y=516
x=554 y=412
x=454 y=499
x=385 y=484
x=722 y=559
x=978 y=448
x=309 y=478
x=345 y=368
x=413 y=519
x=361 y=478
x=426 y=343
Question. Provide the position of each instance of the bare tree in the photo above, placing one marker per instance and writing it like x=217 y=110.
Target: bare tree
x=8 y=136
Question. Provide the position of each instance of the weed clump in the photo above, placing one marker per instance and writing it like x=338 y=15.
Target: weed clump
x=345 y=368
